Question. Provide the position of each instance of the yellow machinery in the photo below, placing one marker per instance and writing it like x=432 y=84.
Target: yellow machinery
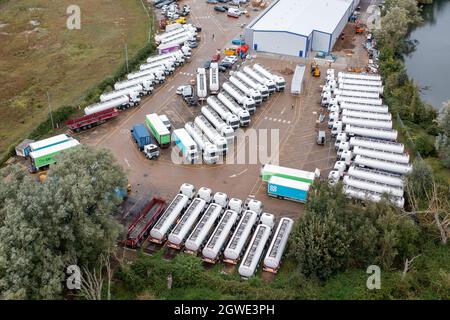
x=181 y=20
x=315 y=71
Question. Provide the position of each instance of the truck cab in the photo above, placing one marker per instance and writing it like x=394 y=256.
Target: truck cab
x=321 y=138
x=151 y=151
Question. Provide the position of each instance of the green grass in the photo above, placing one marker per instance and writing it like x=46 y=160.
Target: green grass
x=67 y=63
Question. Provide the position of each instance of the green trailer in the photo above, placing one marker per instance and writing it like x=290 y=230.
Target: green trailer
x=269 y=170
x=158 y=130
x=44 y=157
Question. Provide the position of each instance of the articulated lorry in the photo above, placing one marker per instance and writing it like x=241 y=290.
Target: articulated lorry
x=272 y=260
x=42 y=158
x=166 y=221
x=246 y=89
x=260 y=78
x=144 y=141
x=158 y=130
x=214 y=85
x=280 y=82
x=231 y=119
x=94 y=119
x=367 y=195
x=225 y=130
x=210 y=154
x=283 y=188
x=212 y=134
x=269 y=170
x=369 y=132
x=133 y=93
x=120 y=103
x=243 y=114
x=202 y=90
x=186 y=145
x=240 y=97
x=147 y=83
x=261 y=88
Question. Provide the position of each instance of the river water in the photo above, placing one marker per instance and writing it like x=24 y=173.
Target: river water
x=429 y=64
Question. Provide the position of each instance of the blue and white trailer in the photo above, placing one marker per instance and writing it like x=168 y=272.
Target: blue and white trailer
x=186 y=145
x=283 y=188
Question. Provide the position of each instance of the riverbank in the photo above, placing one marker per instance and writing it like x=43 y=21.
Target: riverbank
x=41 y=55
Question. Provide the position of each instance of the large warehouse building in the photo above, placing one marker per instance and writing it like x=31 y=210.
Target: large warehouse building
x=296 y=27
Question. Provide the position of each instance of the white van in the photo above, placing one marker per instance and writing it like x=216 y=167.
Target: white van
x=233 y=12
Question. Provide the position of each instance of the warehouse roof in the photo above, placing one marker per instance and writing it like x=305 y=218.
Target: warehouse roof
x=302 y=16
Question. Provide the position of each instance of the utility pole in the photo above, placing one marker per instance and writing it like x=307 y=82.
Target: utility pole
x=50 y=110
x=126 y=56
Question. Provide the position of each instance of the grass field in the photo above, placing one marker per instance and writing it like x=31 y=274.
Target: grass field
x=39 y=54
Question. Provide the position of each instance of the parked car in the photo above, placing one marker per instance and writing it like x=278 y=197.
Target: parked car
x=207 y=64
x=230 y=59
x=222 y=68
x=225 y=64
x=192 y=44
x=220 y=9
x=211 y=1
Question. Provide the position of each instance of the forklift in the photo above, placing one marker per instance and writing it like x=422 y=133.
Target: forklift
x=315 y=71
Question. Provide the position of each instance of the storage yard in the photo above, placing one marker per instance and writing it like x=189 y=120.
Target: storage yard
x=180 y=118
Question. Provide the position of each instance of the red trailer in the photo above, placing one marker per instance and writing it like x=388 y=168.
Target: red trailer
x=144 y=220
x=87 y=122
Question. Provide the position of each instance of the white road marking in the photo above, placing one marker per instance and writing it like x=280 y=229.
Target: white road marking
x=282 y=111
x=238 y=174
x=171 y=88
x=126 y=161
x=251 y=196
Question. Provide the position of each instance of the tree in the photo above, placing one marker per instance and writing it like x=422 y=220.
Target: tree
x=67 y=219
x=320 y=245
x=443 y=139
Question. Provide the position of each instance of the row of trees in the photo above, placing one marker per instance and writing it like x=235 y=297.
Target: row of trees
x=65 y=220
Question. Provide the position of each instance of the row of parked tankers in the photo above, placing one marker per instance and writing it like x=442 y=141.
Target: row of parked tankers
x=142 y=82
x=215 y=228
x=370 y=160
x=225 y=111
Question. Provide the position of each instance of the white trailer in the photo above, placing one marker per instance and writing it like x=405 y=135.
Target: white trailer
x=172 y=33
x=230 y=118
x=365 y=195
x=361 y=88
x=200 y=233
x=367 y=114
x=159 y=232
x=261 y=88
x=376 y=176
x=260 y=78
x=356 y=82
x=122 y=102
x=178 y=235
x=245 y=89
x=384 y=165
x=359 y=76
x=363 y=101
x=158 y=72
x=381 y=154
x=243 y=114
x=214 y=84
x=229 y=102
x=372 y=186
x=213 y=248
x=212 y=134
x=272 y=260
x=240 y=237
x=202 y=90
x=132 y=93
x=254 y=252
x=280 y=82
x=361 y=107
x=357 y=94
x=187 y=146
x=239 y=96
x=225 y=130
x=167 y=65
x=177 y=59
x=210 y=153
x=377 y=144
x=146 y=83
x=377 y=133
x=364 y=122
x=179 y=38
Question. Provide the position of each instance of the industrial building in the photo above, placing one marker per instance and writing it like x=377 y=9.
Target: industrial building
x=296 y=27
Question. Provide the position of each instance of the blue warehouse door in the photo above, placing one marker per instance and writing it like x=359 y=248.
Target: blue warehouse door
x=255 y=47
x=300 y=54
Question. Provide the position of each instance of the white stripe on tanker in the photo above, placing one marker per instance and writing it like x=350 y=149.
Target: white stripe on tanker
x=273 y=256
x=201 y=230
x=162 y=227
x=372 y=196
x=380 y=164
x=377 y=144
x=217 y=240
x=178 y=234
x=255 y=250
x=372 y=186
x=376 y=175
x=240 y=236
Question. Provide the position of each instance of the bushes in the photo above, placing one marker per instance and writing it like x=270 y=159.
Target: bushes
x=423 y=145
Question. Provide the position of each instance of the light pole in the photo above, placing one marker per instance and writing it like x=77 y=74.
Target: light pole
x=50 y=110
